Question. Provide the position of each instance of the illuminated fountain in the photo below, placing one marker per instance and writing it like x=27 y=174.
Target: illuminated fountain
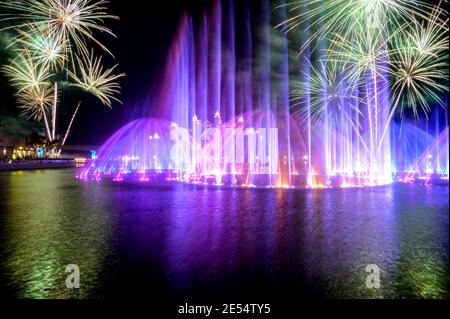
x=221 y=115
x=420 y=154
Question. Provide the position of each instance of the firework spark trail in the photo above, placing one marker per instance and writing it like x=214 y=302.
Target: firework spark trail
x=46 y=124
x=70 y=124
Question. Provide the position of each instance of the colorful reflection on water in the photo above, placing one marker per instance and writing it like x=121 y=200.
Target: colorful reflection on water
x=190 y=241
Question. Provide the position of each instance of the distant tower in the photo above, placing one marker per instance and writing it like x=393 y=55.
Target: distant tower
x=217 y=119
x=196 y=136
x=173 y=131
x=241 y=121
x=239 y=137
x=196 y=128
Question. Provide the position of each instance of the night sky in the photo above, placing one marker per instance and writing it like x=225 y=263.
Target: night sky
x=144 y=35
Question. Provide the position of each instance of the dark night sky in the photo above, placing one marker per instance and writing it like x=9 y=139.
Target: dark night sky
x=144 y=34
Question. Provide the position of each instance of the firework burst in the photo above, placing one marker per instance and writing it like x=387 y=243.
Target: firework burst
x=326 y=96
x=362 y=52
x=66 y=20
x=94 y=78
x=324 y=17
x=43 y=47
x=35 y=102
x=416 y=77
x=327 y=90
x=430 y=37
x=25 y=74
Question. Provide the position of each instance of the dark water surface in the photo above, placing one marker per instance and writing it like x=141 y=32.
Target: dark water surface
x=183 y=241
